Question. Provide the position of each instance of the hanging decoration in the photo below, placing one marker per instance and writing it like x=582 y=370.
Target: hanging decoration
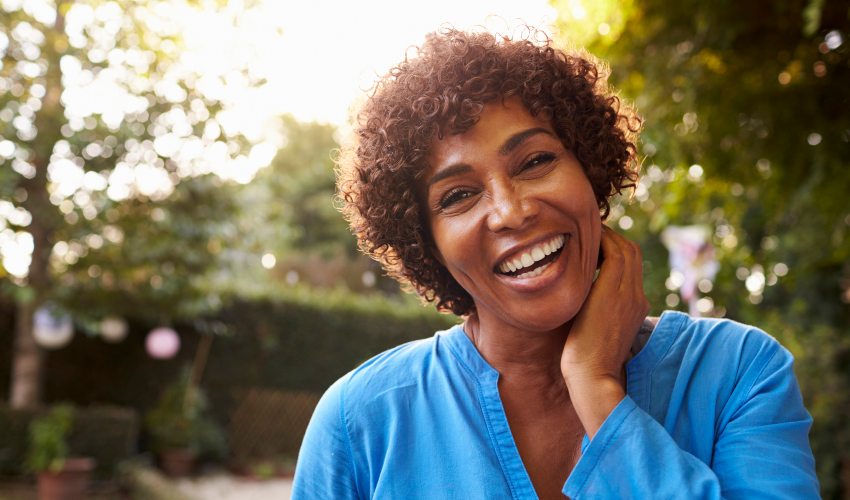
x=52 y=330
x=692 y=257
x=162 y=343
x=113 y=329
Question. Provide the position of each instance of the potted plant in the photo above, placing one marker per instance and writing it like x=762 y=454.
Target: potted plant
x=180 y=433
x=60 y=477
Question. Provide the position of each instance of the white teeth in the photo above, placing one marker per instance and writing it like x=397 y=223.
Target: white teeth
x=534 y=255
x=537 y=254
x=536 y=272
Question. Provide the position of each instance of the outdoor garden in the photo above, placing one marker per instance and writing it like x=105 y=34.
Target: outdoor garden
x=177 y=288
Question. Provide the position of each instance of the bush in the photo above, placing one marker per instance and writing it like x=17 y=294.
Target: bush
x=290 y=339
x=301 y=340
x=107 y=434
x=48 y=445
x=172 y=426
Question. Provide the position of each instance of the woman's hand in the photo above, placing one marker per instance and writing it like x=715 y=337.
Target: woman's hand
x=603 y=332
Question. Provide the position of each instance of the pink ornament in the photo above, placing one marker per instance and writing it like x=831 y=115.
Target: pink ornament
x=162 y=343
x=692 y=255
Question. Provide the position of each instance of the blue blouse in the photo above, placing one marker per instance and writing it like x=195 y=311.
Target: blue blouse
x=713 y=410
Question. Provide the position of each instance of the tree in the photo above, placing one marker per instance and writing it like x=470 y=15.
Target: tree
x=124 y=160
x=290 y=207
x=746 y=132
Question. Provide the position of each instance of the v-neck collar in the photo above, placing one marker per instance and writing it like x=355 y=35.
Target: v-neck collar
x=638 y=372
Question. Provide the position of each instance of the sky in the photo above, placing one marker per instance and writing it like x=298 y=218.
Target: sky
x=330 y=47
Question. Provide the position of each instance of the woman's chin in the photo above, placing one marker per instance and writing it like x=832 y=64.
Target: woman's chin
x=541 y=316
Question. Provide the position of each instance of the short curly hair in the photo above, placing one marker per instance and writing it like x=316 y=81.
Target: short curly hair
x=442 y=90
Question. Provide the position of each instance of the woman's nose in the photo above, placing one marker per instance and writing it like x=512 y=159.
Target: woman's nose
x=510 y=208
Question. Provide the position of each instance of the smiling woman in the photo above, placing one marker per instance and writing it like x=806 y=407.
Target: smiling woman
x=479 y=175
x=442 y=93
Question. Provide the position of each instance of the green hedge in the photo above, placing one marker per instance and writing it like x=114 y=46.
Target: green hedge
x=290 y=339
x=308 y=340
x=107 y=434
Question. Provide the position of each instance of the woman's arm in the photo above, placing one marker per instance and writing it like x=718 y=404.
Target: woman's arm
x=603 y=332
x=324 y=468
x=762 y=452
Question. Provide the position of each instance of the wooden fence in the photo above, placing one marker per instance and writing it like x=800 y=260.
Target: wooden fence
x=269 y=423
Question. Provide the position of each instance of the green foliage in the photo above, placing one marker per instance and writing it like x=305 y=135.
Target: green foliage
x=290 y=210
x=107 y=434
x=302 y=339
x=301 y=181
x=173 y=426
x=264 y=470
x=48 y=435
x=113 y=246
x=752 y=93
x=269 y=337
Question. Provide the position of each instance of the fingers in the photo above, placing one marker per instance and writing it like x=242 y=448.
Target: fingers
x=613 y=265
x=631 y=278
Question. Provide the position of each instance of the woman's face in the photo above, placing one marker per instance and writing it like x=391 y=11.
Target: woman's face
x=514 y=218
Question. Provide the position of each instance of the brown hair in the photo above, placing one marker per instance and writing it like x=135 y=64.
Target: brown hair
x=443 y=91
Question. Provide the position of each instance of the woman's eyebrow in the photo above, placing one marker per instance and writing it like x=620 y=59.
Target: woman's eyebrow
x=456 y=169
x=520 y=137
x=509 y=145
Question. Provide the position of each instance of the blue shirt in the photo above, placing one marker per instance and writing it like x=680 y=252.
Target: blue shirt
x=713 y=410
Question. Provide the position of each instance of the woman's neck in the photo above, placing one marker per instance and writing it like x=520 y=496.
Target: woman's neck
x=528 y=360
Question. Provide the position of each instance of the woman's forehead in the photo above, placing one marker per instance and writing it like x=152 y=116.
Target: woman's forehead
x=501 y=126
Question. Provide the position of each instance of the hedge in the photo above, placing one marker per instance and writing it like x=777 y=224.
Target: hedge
x=107 y=434
x=290 y=339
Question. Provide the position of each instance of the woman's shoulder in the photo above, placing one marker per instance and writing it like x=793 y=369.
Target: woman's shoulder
x=716 y=355
x=720 y=337
x=694 y=375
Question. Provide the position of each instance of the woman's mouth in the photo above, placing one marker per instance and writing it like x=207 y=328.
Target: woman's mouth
x=532 y=262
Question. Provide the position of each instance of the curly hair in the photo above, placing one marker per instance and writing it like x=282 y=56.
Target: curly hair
x=442 y=90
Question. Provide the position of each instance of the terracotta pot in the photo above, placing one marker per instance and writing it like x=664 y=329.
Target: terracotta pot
x=177 y=463
x=70 y=483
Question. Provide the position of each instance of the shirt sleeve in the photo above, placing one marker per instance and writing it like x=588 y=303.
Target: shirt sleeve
x=325 y=469
x=763 y=451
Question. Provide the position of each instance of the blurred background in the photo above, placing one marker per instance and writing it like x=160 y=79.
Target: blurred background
x=177 y=289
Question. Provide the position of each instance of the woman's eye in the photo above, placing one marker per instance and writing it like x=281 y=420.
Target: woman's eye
x=538 y=159
x=453 y=197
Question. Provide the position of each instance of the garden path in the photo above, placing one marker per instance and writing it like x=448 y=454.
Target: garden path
x=228 y=487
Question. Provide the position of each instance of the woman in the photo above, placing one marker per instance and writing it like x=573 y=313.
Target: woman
x=479 y=175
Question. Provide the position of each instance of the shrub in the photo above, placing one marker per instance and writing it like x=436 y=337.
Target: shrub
x=174 y=426
x=48 y=445
x=106 y=433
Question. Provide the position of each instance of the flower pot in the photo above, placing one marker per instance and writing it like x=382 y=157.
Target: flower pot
x=177 y=463
x=69 y=483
